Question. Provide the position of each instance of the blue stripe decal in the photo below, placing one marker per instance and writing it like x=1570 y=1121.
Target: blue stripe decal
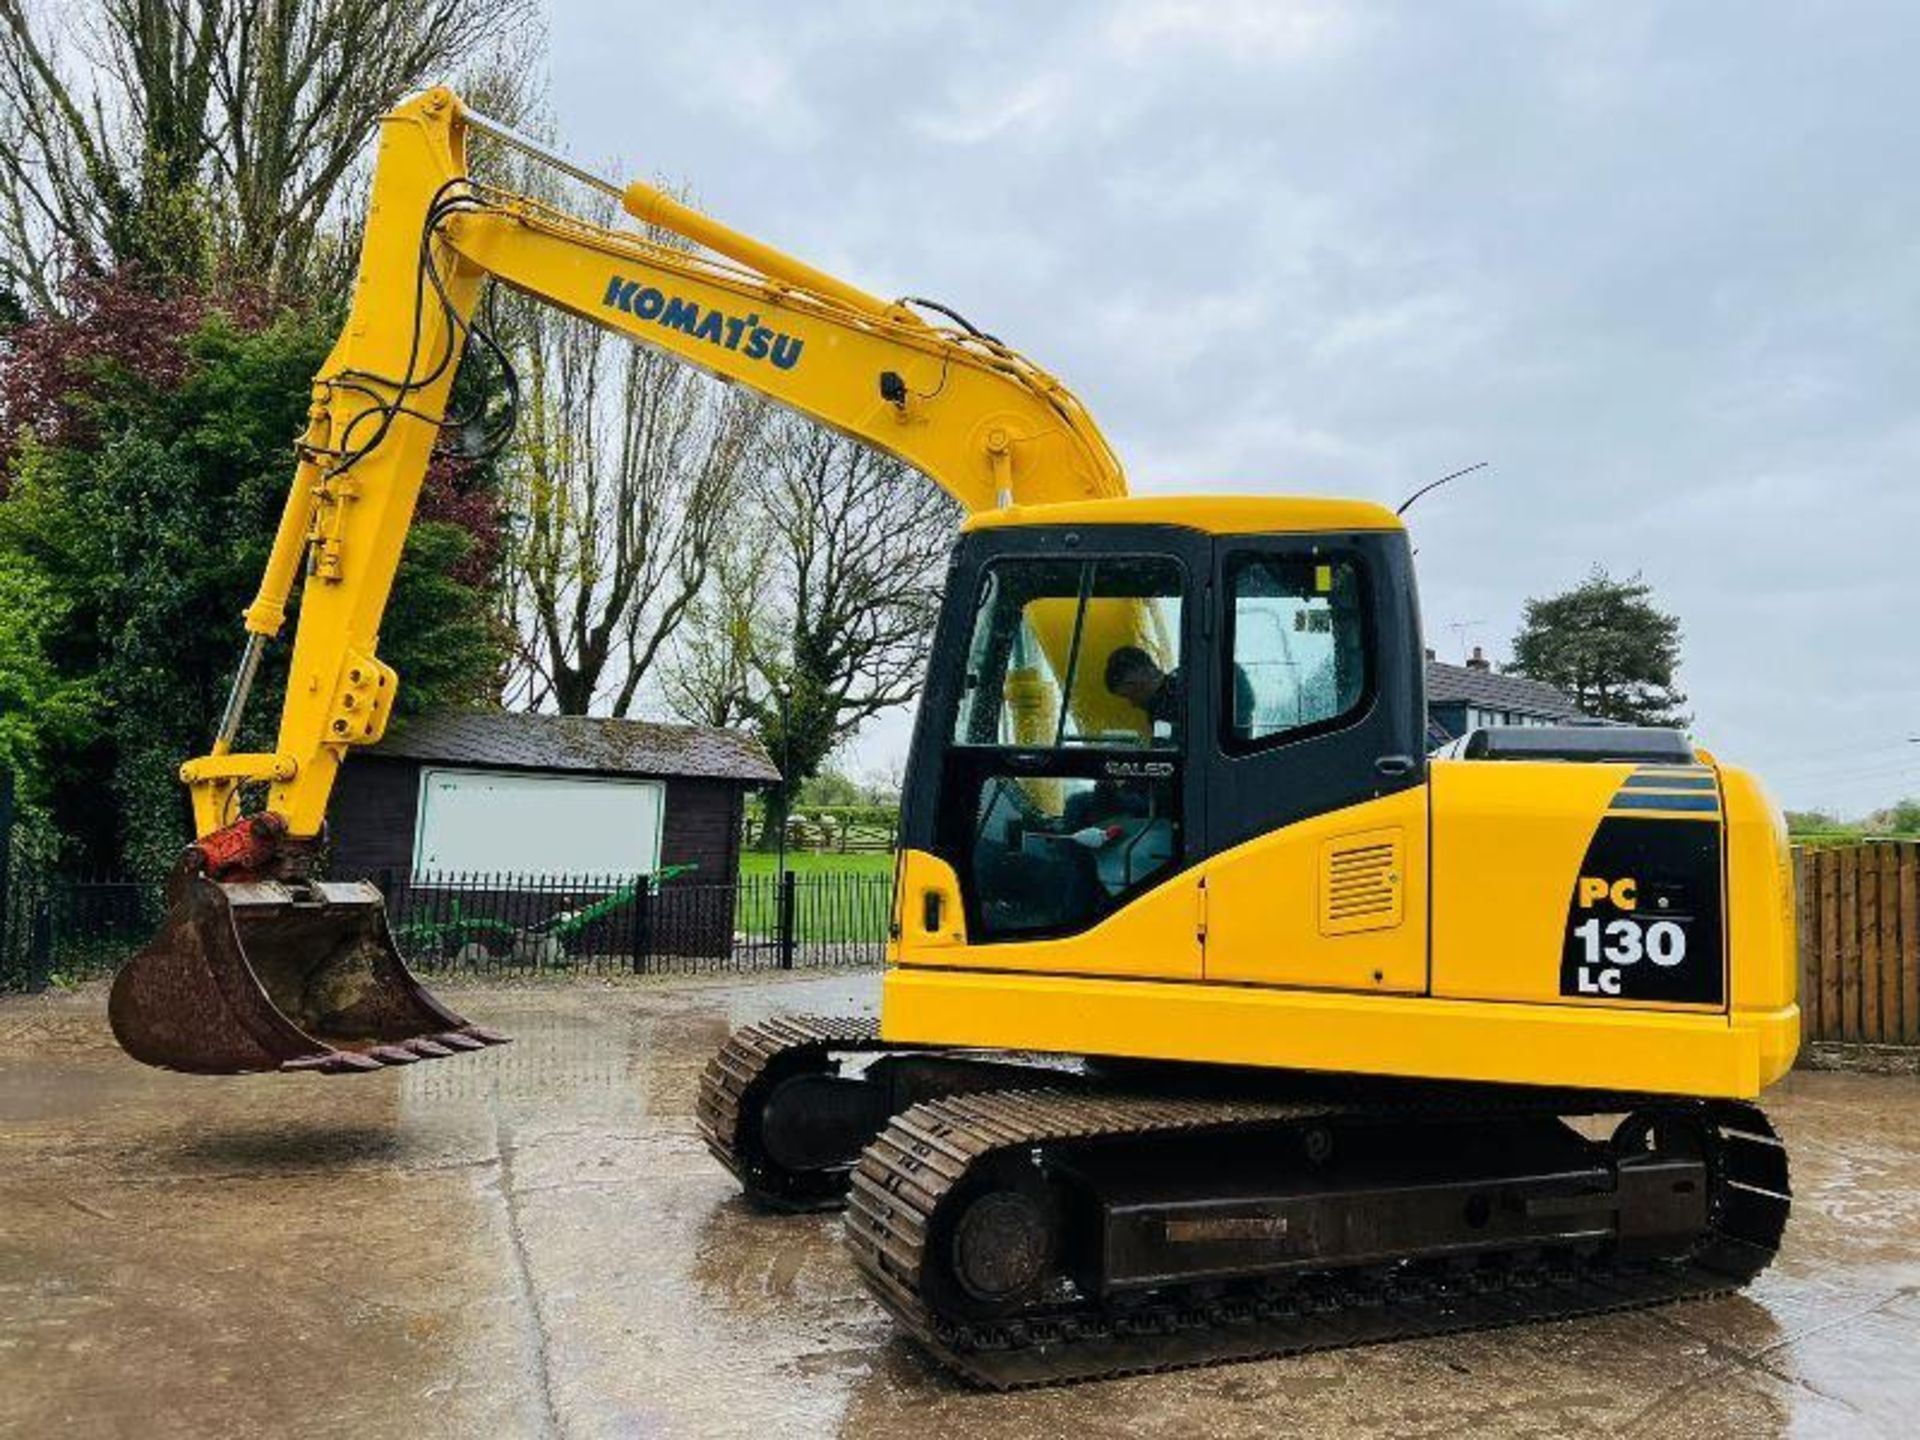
x=1627 y=800
x=1643 y=781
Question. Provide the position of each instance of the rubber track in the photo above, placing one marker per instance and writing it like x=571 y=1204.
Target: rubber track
x=927 y=1151
x=753 y=1056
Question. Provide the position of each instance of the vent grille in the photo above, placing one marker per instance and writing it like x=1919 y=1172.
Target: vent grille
x=1361 y=882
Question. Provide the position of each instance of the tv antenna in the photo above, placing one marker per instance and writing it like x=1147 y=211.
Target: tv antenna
x=1460 y=629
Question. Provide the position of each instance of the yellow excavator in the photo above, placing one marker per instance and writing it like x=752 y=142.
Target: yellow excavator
x=1219 y=1018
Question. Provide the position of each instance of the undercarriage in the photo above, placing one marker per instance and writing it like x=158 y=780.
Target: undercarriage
x=1031 y=1220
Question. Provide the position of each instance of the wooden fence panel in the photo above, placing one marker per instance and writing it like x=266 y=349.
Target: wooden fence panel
x=1909 y=944
x=1858 y=912
x=1806 y=925
x=1849 y=943
x=1891 y=1030
x=1868 y=859
x=1832 y=1012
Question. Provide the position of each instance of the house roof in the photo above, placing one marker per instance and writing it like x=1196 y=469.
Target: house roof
x=1490 y=690
x=514 y=740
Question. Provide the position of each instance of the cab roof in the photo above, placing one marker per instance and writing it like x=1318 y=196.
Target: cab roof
x=1211 y=514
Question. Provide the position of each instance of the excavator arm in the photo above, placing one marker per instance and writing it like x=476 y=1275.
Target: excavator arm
x=986 y=424
x=261 y=965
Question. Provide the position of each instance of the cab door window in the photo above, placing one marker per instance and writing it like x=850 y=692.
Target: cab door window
x=1298 y=647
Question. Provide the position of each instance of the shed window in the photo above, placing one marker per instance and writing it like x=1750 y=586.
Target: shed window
x=538 y=825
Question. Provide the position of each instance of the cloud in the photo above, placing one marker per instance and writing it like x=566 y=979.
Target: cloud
x=973 y=118
x=1660 y=270
x=1252 y=32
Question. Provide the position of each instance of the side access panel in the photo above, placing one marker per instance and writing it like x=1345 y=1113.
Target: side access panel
x=1335 y=902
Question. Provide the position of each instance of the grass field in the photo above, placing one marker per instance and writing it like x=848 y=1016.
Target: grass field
x=837 y=897
x=755 y=862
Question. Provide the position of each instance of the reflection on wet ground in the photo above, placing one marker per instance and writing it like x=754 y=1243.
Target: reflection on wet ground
x=532 y=1242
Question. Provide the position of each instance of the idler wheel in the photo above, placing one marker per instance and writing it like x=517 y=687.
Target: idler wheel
x=1002 y=1243
x=1001 y=1246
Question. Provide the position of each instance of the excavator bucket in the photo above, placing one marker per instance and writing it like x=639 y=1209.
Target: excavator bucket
x=268 y=975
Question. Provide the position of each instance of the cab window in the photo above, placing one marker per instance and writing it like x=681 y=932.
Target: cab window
x=1298 y=647
x=1075 y=653
x=1063 y=781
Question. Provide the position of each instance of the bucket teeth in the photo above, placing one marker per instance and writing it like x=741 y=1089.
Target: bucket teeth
x=393 y=1055
x=428 y=1049
x=455 y=1040
x=334 y=1062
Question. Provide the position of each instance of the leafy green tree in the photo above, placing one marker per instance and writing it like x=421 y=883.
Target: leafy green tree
x=1900 y=818
x=1607 y=646
x=133 y=540
x=38 y=705
x=829 y=786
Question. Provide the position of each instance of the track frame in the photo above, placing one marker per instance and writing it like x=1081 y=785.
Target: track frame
x=1019 y=1220
x=924 y=1169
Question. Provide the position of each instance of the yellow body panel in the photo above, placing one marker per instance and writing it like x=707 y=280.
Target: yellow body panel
x=1762 y=940
x=1288 y=943
x=1157 y=936
x=1509 y=838
x=929 y=921
x=1668 y=1052
x=1261 y=913
x=1277 y=912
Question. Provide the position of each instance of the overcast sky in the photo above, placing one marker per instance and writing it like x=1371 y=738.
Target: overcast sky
x=1659 y=264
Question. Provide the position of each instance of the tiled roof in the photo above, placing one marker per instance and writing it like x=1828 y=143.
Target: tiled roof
x=579 y=743
x=1455 y=684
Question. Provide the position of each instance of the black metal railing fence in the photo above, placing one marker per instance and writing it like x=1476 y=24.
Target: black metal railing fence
x=56 y=928
x=602 y=924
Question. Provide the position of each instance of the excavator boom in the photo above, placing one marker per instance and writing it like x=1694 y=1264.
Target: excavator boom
x=262 y=965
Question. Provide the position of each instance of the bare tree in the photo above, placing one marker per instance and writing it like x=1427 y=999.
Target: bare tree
x=626 y=471
x=187 y=134
x=300 y=86
x=106 y=166
x=710 y=675
x=860 y=543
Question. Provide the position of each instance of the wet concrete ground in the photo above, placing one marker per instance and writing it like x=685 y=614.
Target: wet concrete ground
x=532 y=1242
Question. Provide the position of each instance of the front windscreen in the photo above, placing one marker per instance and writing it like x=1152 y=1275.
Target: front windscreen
x=1075 y=652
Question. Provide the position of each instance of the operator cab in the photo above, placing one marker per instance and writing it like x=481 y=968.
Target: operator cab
x=1110 y=701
